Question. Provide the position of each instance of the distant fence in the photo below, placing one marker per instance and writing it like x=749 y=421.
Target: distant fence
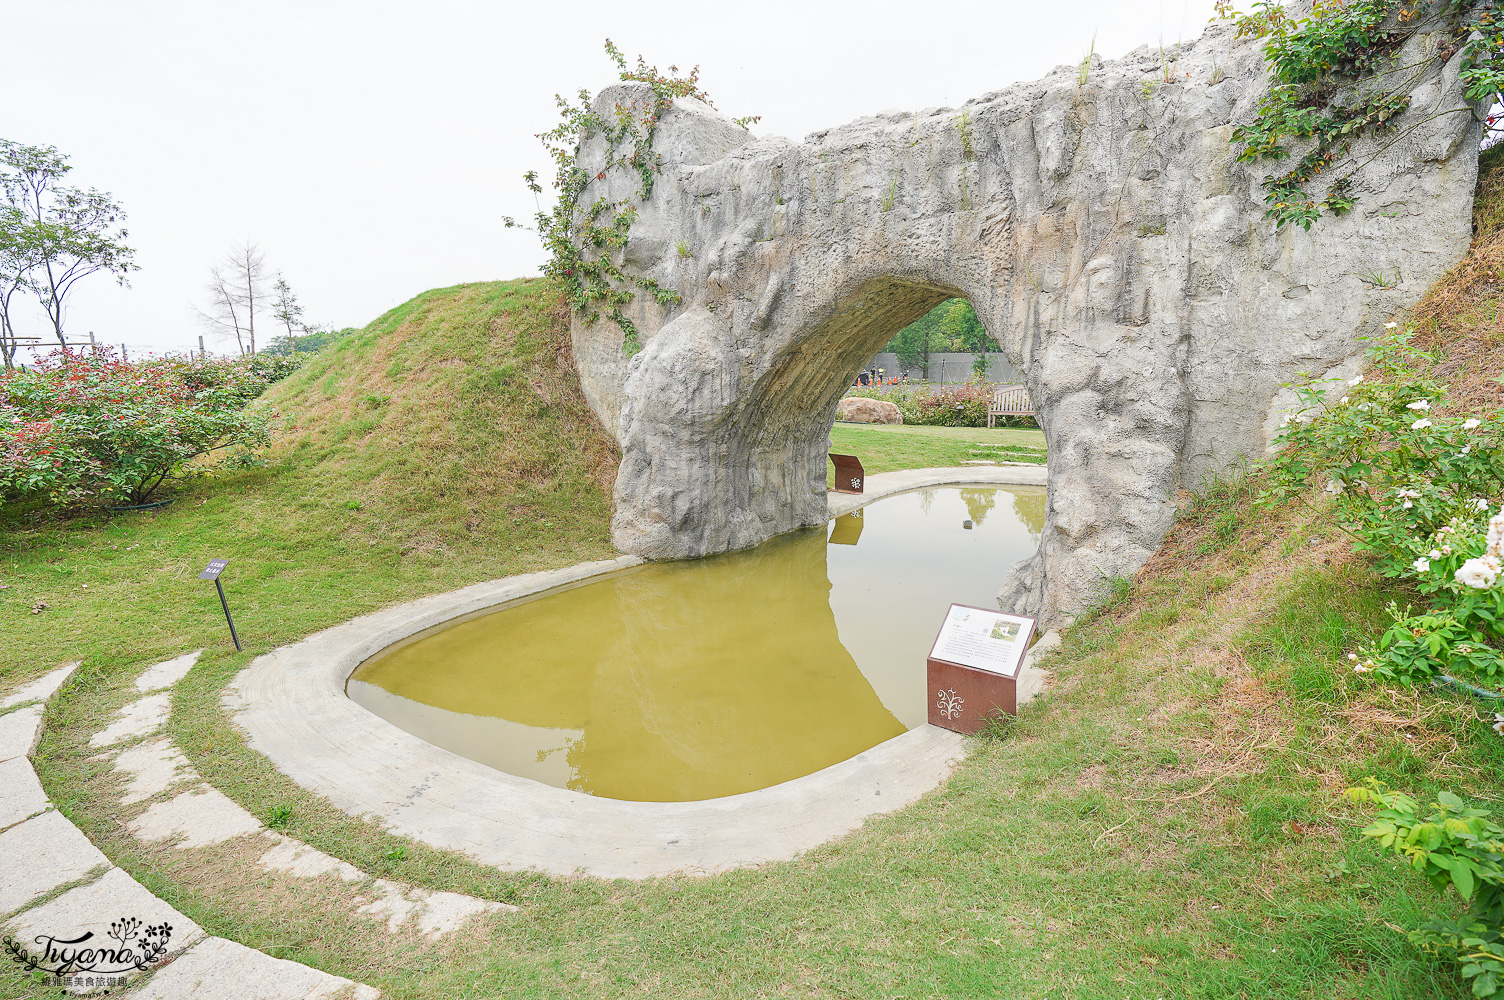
x=949 y=368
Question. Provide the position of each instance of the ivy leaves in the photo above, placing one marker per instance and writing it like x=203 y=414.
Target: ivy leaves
x=1334 y=51
x=584 y=241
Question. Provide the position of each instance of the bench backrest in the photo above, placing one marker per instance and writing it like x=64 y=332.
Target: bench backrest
x=1011 y=401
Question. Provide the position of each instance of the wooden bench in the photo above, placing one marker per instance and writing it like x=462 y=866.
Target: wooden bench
x=1009 y=401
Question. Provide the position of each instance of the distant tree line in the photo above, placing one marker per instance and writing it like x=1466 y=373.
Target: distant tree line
x=952 y=326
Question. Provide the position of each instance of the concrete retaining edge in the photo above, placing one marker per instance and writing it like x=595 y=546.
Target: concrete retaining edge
x=291 y=705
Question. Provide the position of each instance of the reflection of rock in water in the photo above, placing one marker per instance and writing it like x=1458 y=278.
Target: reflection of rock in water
x=733 y=668
x=697 y=679
x=979 y=502
x=1030 y=508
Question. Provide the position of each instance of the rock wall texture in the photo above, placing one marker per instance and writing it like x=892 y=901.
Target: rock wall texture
x=1107 y=239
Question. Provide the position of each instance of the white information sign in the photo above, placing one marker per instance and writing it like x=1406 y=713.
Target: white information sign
x=984 y=640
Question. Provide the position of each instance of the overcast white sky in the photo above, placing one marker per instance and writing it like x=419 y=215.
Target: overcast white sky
x=370 y=149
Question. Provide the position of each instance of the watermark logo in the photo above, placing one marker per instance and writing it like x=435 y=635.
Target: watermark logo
x=87 y=961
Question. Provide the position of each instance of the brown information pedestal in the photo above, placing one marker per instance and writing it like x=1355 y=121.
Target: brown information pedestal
x=963 y=695
x=850 y=477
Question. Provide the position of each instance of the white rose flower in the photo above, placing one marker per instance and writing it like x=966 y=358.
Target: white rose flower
x=1408 y=504
x=1390 y=325
x=1355 y=380
x=1434 y=553
x=1420 y=425
x=1334 y=488
x=1470 y=423
x=1479 y=573
x=1421 y=565
x=1419 y=404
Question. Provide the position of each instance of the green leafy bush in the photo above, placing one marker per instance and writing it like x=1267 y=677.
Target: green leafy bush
x=79 y=429
x=1458 y=847
x=1336 y=77
x=1415 y=491
x=963 y=405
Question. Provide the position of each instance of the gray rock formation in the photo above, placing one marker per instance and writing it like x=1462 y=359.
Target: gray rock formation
x=1107 y=239
x=868 y=411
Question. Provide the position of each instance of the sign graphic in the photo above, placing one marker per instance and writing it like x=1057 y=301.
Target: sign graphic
x=982 y=639
x=87 y=961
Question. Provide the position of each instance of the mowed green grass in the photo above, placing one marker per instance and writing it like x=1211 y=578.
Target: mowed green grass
x=441 y=446
x=890 y=447
x=1165 y=822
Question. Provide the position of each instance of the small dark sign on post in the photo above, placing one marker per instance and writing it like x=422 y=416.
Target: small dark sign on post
x=211 y=572
x=850 y=476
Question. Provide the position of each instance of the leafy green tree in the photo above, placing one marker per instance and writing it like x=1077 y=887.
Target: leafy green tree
x=68 y=233
x=951 y=326
x=916 y=342
x=285 y=307
x=18 y=258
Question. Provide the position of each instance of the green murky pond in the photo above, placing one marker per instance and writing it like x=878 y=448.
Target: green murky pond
x=692 y=680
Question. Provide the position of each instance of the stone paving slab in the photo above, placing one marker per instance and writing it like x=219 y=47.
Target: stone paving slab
x=167 y=673
x=154 y=767
x=91 y=909
x=21 y=793
x=223 y=970
x=42 y=688
x=295 y=858
x=19 y=732
x=140 y=718
x=200 y=817
x=41 y=854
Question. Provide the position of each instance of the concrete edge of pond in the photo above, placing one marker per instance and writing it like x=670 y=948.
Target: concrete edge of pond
x=292 y=706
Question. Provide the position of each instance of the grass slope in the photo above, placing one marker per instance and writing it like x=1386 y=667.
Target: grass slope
x=447 y=442
x=1165 y=822
x=889 y=447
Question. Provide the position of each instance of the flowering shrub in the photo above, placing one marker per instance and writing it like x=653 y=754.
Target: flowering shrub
x=1455 y=846
x=963 y=405
x=1415 y=491
x=89 y=428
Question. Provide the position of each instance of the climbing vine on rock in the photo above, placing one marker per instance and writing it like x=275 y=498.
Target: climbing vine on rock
x=1335 y=77
x=584 y=241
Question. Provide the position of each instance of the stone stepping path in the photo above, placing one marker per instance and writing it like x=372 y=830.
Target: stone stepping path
x=202 y=816
x=43 y=854
x=45 y=857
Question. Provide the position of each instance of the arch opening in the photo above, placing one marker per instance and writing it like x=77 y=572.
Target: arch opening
x=1109 y=241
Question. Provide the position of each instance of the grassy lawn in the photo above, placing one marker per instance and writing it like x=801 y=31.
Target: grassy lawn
x=1164 y=822
x=413 y=458
x=889 y=447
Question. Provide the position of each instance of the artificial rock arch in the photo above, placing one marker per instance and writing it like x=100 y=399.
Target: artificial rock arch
x=1108 y=240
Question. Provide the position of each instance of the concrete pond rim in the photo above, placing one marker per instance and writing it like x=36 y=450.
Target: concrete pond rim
x=292 y=707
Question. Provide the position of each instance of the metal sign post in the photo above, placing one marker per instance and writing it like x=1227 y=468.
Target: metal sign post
x=211 y=572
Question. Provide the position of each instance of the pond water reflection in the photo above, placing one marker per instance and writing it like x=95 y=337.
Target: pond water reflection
x=696 y=679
